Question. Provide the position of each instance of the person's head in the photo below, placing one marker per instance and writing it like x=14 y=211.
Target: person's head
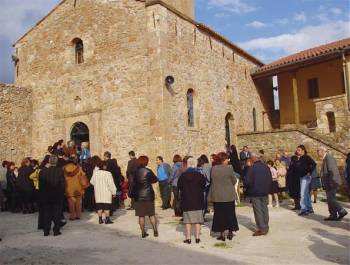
x=25 y=162
x=132 y=154
x=255 y=157
x=71 y=144
x=245 y=148
x=270 y=163
x=159 y=160
x=177 y=158
x=249 y=162
x=53 y=160
x=96 y=162
x=277 y=162
x=184 y=161
x=4 y=163
x=11 y=166
x=322 y=151
x=45 y=161
x=50 y=149
x=142 y=161
x=215 y=160
x=85 y=145
x=262 y=152
x=301 y=150
x=34 y=163
x=107 y=155
x=278 y=156
x=60 y=144
x=223 y=158
x=203 y=159
x=191 y=163
x=212 y=157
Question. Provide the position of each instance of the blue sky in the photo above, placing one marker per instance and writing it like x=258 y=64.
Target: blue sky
x=269 y=29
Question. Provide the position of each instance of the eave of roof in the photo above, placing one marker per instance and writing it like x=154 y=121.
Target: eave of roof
x=200 y=26
x=304 y=58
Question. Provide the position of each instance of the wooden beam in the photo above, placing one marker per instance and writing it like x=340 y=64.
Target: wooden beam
x=296 y=100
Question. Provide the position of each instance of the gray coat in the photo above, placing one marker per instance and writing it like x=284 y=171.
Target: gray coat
x=330 y=173
x=222 y=188
x=3 y=177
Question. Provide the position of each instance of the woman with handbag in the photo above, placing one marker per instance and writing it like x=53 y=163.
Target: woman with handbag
x=76 y=183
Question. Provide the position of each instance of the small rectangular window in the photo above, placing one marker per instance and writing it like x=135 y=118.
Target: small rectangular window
x=313 y=88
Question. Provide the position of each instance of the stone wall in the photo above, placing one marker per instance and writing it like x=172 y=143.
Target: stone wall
x=15 y=122
x=288 y=140
x=337 y=105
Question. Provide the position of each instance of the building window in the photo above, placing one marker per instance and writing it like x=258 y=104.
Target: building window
x=190 y=108
x=79 y=51
x=331 y=121
x=313 y=88
x=342 y=82
x=254 y=120
x=229 y=94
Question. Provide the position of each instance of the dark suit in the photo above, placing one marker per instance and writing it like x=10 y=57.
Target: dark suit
x=51 y=193
x=331 y=181
x=243 y=157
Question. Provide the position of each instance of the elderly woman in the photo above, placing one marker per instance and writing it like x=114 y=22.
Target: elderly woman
x=143 y=194
x=222 y=194
x=76 y=183
x=104 y=188
x=192 y=185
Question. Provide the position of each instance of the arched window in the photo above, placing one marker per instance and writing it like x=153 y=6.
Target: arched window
x=254 y=120
x=331 y=121
x=79 y=50
x=190 y=108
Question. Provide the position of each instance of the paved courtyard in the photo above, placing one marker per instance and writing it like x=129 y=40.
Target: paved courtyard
x=292 y=240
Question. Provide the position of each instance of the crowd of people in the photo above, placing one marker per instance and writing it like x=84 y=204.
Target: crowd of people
x=70 y=178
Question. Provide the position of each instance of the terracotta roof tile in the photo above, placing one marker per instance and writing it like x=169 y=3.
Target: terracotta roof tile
x=306 y=54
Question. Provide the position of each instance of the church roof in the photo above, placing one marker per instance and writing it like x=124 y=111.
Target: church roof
x=324 y=51
x=200 y=26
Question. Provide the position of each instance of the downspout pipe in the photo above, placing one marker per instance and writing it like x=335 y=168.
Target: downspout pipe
x=346 y=76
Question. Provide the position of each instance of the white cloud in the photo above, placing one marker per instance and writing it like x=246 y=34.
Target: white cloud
x=236 y=6
x=336 y=11
x=301 y=17
x=307 y=37
x=18 y=16
x=256 y=24
x=282 y=21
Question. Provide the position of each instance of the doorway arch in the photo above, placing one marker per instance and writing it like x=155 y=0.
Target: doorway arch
x=228 y=128
x=80 y=133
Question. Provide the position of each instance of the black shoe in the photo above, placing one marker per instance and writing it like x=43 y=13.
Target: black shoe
x=296 y=208
x=311 y=211
x=230 y=236
x=331 y=218
x=156 y=234
x=304 y=213
x=63 y=223
x=46 y=233
x=187 y=241
x=198 y=240
x=108 y=221
x=342 y=215
x=144 y=235
x=57 y=233
x=100 y=221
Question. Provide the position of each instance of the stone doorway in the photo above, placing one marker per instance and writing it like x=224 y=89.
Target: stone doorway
x=80 y=133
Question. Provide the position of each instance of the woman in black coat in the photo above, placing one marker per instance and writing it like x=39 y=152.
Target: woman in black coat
x=192 y=185
x=25 y=186
x=143 y=194
x=293 y=182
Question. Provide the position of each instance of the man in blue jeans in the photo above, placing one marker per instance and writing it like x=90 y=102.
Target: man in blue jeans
x=305 y=168
x=163 y=174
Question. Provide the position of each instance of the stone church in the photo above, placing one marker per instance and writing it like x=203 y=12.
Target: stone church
x=143 y=75
x=133 y=75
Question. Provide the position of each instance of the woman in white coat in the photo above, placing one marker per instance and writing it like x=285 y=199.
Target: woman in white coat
x=105 y=190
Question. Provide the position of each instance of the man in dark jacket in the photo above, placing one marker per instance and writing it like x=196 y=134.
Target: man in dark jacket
x=130 y=174
x=331 y=181
x=52 y=185
x=258 y=182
